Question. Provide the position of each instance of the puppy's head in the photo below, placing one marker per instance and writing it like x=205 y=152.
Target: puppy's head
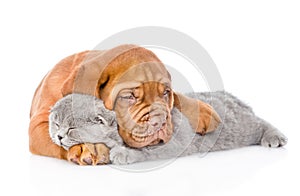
x=143 y=114
x=137 y=87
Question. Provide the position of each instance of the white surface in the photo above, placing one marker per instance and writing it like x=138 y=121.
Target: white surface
x=255 y=45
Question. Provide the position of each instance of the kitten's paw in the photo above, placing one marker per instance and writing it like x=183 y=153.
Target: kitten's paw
x=273 y=139
x=120 y=156
x=89 y=154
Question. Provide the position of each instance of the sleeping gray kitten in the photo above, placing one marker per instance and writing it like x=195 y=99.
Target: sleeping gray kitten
x=78 y=118
x=240 y=127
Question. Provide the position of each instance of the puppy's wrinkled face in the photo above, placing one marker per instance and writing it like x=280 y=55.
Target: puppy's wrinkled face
x=143 y=114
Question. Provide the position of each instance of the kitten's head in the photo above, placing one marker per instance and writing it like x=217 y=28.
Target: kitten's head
x=79 y=118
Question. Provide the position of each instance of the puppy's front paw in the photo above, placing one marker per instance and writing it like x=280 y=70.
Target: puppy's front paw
x=273 y=139
x=89 y=154
x=202 y=117
x=120 y=156
x=208 y=119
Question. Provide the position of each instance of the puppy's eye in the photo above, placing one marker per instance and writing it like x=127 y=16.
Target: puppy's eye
x=99 y=120
x=130 y=97
x=167 y=92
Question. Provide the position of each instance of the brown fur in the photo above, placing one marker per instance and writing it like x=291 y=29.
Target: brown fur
x=89 y=154
x=134 y=126
x=104 y=74
x=202 y=117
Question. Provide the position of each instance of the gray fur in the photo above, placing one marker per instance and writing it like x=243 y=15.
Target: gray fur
x=79 y=118
x=240 y=127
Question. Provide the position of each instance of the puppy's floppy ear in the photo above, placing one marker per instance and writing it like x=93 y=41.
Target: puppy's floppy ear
x=202 y=117
x=106 y=96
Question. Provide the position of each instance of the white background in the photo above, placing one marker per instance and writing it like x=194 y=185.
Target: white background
x=255 y=45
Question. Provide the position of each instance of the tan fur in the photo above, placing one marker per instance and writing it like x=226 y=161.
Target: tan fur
x=201 y=116
x=89 y=154
x=102 y=74
x=150 y=103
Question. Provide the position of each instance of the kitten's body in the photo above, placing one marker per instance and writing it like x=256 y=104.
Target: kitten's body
x=239 y=127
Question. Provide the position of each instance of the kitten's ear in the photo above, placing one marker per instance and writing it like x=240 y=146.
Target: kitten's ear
x=202 y=117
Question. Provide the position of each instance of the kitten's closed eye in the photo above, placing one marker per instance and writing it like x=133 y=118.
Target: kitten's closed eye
x=57 y=125
x=99 y=120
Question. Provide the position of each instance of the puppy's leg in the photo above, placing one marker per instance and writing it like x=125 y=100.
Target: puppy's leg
x=89 y=154
x=40 y=142
x=202 y=117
